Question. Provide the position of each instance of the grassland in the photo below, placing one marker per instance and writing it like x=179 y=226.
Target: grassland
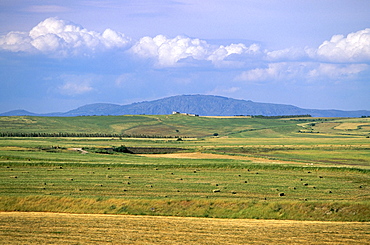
x=308 y=169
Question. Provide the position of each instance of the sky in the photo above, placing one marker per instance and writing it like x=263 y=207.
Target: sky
x=58 y=55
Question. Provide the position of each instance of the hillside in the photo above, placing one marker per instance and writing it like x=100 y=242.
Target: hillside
x=204 y=105
x=183 y=126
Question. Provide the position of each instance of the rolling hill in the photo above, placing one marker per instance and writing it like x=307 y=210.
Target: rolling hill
x=204 y=105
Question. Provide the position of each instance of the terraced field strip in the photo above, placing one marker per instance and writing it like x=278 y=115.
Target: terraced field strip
x=58 y=228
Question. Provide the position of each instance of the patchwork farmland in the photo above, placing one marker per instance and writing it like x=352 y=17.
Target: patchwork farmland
x=306 y=169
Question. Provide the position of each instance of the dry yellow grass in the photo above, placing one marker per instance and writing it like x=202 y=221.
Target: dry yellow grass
x=199 y=155
x=227 y=116
x=346 y=126
x=57 y=228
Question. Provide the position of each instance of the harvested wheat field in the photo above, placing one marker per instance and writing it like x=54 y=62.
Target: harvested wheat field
x=58 y=228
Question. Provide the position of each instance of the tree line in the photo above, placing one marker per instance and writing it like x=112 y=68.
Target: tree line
x=97 y=135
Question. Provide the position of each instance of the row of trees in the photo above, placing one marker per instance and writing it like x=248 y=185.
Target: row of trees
x=98 y=135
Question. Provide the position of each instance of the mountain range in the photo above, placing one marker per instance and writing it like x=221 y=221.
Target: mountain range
x=203 y=105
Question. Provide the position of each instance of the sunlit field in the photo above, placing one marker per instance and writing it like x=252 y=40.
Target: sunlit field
x=56 y=228
x=307 y=169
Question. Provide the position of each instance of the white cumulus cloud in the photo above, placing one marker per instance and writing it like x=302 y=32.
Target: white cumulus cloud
x=60 y=37
x=169 y=51
x=16 y=41
x=289 y=54
x=302 y=72
x=355 y=47
x=274 y=72
x=337 y=71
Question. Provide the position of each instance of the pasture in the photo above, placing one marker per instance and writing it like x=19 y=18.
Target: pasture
x=307 y=169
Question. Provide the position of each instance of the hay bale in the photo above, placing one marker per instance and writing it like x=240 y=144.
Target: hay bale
x=245 y=181
x=305 y=184
x=233 y=192
x=281 y=194
x=216 y=190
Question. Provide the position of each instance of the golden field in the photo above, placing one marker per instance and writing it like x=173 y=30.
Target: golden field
x=57 y=228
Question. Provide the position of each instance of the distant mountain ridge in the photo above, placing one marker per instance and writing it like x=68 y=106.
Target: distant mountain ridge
x=203 y=105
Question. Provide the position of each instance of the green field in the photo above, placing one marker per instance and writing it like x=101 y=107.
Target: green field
x=187 y=126
x=240 y=167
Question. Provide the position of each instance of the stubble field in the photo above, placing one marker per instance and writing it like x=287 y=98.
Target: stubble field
x=56 y=228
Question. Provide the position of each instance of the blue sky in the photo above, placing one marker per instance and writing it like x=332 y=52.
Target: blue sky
x=58 y=55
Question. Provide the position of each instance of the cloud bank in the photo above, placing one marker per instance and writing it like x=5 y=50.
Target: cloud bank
x=57 y=36
x=227 y=69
